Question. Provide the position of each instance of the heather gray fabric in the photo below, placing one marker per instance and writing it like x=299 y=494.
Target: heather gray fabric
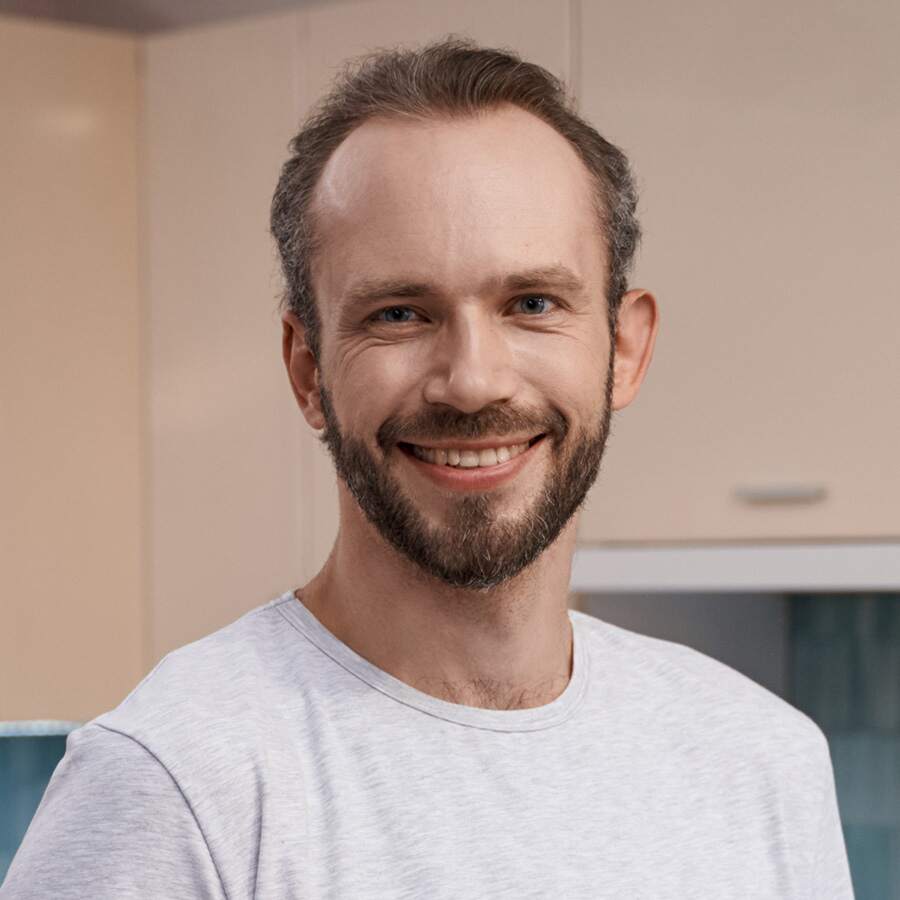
x=268 y=760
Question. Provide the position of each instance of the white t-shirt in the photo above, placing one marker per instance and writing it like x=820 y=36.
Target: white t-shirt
x=269 y=760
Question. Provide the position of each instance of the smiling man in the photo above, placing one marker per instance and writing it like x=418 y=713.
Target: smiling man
x=458 y=357
x=426 y=718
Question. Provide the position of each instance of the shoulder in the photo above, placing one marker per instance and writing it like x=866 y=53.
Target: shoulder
x=212 y=696
x=112 y=823
x=705 y=701
x=147 y=778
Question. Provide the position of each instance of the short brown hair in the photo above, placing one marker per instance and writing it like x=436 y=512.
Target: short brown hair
x=448 y=78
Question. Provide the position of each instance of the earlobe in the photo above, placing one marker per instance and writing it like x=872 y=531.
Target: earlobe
x=638 y=323
x=302 y=369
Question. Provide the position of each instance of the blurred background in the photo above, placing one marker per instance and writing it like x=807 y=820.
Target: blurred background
x=156 y=480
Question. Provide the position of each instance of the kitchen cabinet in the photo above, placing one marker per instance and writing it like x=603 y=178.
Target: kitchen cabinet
x=765 y=144
x=227 y=520
x=71 y=638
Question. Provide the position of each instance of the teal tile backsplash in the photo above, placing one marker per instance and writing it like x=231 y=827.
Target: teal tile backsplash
x=845 y=675
x=26 y=764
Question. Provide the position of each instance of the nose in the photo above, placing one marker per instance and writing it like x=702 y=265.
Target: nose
x=472 y=364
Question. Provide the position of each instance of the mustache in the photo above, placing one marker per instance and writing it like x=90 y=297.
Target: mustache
x=496 y=420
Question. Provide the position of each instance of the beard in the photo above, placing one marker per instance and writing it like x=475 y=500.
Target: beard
x=474 y=548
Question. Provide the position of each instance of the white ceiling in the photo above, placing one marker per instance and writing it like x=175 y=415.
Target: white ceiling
x=142 y=16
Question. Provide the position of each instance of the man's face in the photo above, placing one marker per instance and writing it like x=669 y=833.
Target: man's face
x=465 y=357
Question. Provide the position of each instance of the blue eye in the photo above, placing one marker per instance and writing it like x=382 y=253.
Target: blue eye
x=397 y=314
x=534 y=304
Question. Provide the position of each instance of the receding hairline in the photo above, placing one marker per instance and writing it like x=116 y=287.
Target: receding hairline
x=449 y=78
x=438 y=116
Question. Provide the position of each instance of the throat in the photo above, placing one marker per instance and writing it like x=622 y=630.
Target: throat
x=487 y=694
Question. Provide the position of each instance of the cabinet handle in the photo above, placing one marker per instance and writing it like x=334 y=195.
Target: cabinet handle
x=782 y=494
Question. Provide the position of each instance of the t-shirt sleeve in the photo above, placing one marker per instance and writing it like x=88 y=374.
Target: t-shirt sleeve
x=830 y=873
x=112 y=824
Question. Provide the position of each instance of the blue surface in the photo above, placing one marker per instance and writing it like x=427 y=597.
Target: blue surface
x=845 y=675
x=26 y=764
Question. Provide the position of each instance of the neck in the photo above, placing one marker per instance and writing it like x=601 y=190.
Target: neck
x=508 y=647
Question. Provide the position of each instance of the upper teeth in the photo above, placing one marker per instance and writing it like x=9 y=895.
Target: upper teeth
x=469 y=459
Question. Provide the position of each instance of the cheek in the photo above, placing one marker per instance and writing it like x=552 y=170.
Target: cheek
x=571 y=375
x=373 y=385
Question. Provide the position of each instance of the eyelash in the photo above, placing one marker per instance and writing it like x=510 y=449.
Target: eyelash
x=376 y=317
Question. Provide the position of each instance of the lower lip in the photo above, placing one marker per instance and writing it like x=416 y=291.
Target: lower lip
x=477 y=478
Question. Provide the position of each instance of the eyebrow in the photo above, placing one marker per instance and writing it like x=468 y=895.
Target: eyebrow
x=558 y=277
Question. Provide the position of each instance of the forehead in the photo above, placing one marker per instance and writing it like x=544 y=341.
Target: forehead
x=453 y=201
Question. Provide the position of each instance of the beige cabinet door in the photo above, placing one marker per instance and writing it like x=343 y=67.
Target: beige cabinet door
x=70 y=482
x=766 y=139
x=225 y=453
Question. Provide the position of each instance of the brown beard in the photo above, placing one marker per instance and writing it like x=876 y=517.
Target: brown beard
x=474 y=549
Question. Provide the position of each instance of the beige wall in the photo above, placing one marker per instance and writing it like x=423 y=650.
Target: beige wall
x=70 y=553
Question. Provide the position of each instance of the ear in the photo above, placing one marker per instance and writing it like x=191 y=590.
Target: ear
x=636 y=336
x=303 y=370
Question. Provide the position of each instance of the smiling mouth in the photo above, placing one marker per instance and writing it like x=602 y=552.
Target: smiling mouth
x=467 y=457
